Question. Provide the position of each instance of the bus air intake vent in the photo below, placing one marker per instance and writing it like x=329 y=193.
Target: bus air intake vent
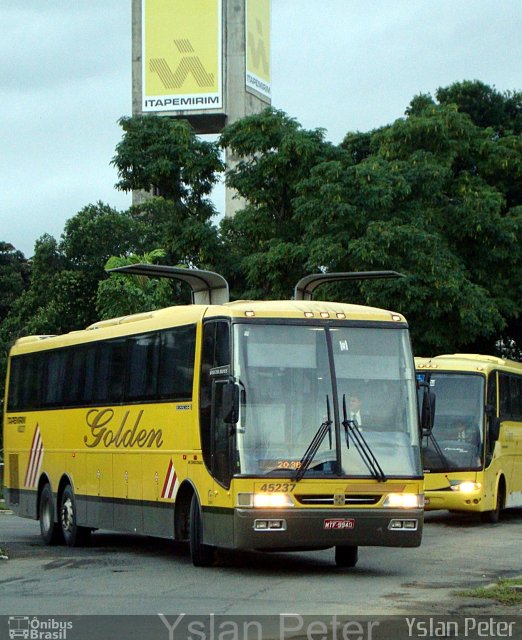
x=354 y=499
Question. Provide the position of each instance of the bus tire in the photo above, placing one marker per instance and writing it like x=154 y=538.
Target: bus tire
x=346 y=556
x=492 y=517
x=202 y=555
x=49 y=529
x=74 y=535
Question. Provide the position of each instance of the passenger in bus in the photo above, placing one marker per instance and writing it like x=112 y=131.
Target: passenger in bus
x=468 y=433
x=356 y=412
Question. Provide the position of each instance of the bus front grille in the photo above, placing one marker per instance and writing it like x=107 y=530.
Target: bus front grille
x=355 y=499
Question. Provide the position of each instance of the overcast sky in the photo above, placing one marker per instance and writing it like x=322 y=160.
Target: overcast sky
x=344 y=65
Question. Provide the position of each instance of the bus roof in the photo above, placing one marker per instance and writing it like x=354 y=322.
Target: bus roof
x=188 y=314
x=470 y=362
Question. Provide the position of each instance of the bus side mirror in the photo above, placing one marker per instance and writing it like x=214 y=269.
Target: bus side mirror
x=427 y=411
x=494 y=428
x=230 y=403
x=490 y=410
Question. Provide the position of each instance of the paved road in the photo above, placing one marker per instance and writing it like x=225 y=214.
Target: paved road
x=125 y=574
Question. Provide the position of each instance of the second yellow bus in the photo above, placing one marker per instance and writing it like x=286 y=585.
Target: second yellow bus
x=473 y=455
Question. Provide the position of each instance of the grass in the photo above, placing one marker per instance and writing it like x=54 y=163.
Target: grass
x=3 y=554
x=504 y=591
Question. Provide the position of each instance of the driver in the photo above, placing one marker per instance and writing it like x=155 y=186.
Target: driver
x=467 y=432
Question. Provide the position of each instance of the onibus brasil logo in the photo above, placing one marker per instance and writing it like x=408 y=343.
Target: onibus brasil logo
x=31 y=627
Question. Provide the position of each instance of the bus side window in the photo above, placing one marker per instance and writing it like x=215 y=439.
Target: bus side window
x=176 y=366
x=516 y=397
x=505 y=396
x=15 y=385
x=142 y=375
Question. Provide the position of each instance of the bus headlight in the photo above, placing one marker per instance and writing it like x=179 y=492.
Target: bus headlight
x=404 y=501
x=466 y=487
x=264 y=500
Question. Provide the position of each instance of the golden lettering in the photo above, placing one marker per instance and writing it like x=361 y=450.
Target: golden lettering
x=99 y=419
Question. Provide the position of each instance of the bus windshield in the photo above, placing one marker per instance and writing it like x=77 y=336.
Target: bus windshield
x=290 y=376
x=456 y=442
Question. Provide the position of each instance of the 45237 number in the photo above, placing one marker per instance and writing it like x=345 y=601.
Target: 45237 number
x=278 y=487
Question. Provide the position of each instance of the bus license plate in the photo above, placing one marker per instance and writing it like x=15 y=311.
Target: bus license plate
x=339 y=523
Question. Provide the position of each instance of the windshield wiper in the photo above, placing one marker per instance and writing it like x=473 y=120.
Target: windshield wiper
x=313 y=447
x=363 y=448
x=437 y=449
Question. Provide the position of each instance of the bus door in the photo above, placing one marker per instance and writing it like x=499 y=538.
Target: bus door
x=509 y=432
x=217 y=439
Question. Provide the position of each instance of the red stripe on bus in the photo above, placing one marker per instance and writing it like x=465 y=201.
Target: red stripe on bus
x=167 y=479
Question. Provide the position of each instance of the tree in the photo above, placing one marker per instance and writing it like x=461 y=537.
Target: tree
x=122 y=294
x=487 y=107
x=165 y=157
x=435 y=196
x=14 y=275
x=61 y=295
x=264 y=240
x=98 y=231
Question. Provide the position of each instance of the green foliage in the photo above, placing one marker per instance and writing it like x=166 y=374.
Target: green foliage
x=13 y=276
x=165 y=155
x=438 y=198
x=485 y=105
x=437 y=195
x=122 y=294
x=187 y=237
x=507 y=591
x=275 y=154
x=96 y=233
x=64 y=276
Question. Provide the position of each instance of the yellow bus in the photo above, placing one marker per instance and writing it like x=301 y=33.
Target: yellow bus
x=473 y=455
x=220 y=423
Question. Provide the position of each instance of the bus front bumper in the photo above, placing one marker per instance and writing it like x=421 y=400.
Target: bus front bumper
x=322 y=528
x=453 y=501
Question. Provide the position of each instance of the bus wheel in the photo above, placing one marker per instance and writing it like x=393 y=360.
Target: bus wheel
x=346 y=556
x=494 y=516
x=49 y=529
x=74 y=535
x=202 y=555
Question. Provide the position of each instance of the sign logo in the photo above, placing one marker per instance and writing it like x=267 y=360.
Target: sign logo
x=258 y=47
x=37 y=628
x=189 y=64
x=339 y=499
x=181 y=55
x=18 y=627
